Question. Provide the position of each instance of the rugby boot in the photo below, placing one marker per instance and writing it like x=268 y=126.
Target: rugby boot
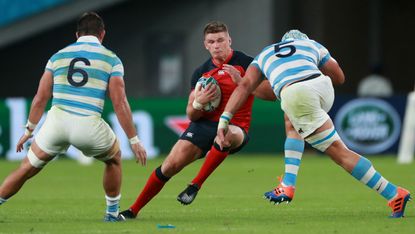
x=399 y=202
x=188 y=195
x=281 y=193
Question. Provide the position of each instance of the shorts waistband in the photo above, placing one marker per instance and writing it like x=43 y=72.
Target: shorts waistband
x=307 y=78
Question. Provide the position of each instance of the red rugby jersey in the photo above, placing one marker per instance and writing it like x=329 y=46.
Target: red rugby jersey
x=241 y=62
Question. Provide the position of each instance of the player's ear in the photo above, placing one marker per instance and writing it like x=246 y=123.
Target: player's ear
x=77 y=35
x=206 y=45
x=230 y=41
x=101 y=36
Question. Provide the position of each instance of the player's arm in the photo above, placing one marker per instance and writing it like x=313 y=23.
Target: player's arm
x=44 y=93
x=249 y=83
x=332 y=69
x=116 y=92
x=263 y=91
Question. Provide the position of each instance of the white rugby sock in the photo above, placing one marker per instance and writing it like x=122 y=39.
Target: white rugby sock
x=113 y=205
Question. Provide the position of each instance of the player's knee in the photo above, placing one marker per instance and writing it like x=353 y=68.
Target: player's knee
x=114 y=161
x=339 y=153
x=113 y=155
x=323 y=140
x=171 y=166
x=34 y=159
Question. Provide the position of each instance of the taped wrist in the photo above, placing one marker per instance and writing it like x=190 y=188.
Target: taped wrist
x=224 y=120
x=30 y=127
x=197 y=105
x=134 y=140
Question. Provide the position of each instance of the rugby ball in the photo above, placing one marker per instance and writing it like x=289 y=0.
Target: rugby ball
x=204 y=82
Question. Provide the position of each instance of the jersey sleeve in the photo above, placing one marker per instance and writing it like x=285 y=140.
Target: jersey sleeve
x=49 y=66
x=245 y=61
x=117 y=68
x=324 y=54
x=255 y=62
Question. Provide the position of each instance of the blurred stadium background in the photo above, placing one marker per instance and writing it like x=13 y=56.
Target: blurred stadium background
x=160 y=44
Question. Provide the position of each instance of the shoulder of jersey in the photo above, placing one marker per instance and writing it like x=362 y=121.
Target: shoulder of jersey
x=205 y=67
x=238 y=53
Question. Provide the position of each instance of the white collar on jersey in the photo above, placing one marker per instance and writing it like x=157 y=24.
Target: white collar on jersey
x=88 y=38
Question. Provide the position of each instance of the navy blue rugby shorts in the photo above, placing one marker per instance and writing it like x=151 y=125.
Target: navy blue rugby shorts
x=202 y=133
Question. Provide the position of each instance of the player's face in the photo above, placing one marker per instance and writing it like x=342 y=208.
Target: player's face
x=218 y=45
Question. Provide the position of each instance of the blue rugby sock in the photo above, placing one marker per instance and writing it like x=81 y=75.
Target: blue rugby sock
x=366 y=173
x=293 y=150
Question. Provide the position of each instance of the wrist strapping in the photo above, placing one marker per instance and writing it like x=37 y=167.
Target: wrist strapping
x=134 y=140
x=28 y=133
x=224 y=120
x=197 y=105
x=30 y=127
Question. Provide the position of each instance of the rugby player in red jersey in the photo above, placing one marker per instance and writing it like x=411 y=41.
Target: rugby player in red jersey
x=227 y=67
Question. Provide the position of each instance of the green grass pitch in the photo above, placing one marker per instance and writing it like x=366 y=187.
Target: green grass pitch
x=68 y=198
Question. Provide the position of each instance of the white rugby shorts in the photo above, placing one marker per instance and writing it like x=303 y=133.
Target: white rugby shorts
x=306 y=103
x=90 y=134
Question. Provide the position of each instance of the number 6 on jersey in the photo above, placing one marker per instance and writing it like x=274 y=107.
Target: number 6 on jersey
x=72 y=71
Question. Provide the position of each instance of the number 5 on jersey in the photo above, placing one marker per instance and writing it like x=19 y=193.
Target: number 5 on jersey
x=278 y=47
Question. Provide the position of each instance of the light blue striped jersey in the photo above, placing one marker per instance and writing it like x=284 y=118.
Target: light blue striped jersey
x=81 y=72
x=289 y=61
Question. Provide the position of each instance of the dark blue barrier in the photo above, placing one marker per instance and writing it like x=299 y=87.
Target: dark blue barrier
x=369 y=125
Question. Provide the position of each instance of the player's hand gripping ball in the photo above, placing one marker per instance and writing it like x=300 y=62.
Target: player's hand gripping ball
x=204 y=82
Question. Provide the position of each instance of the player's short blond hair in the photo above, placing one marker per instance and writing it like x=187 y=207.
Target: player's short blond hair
x=215 y=27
